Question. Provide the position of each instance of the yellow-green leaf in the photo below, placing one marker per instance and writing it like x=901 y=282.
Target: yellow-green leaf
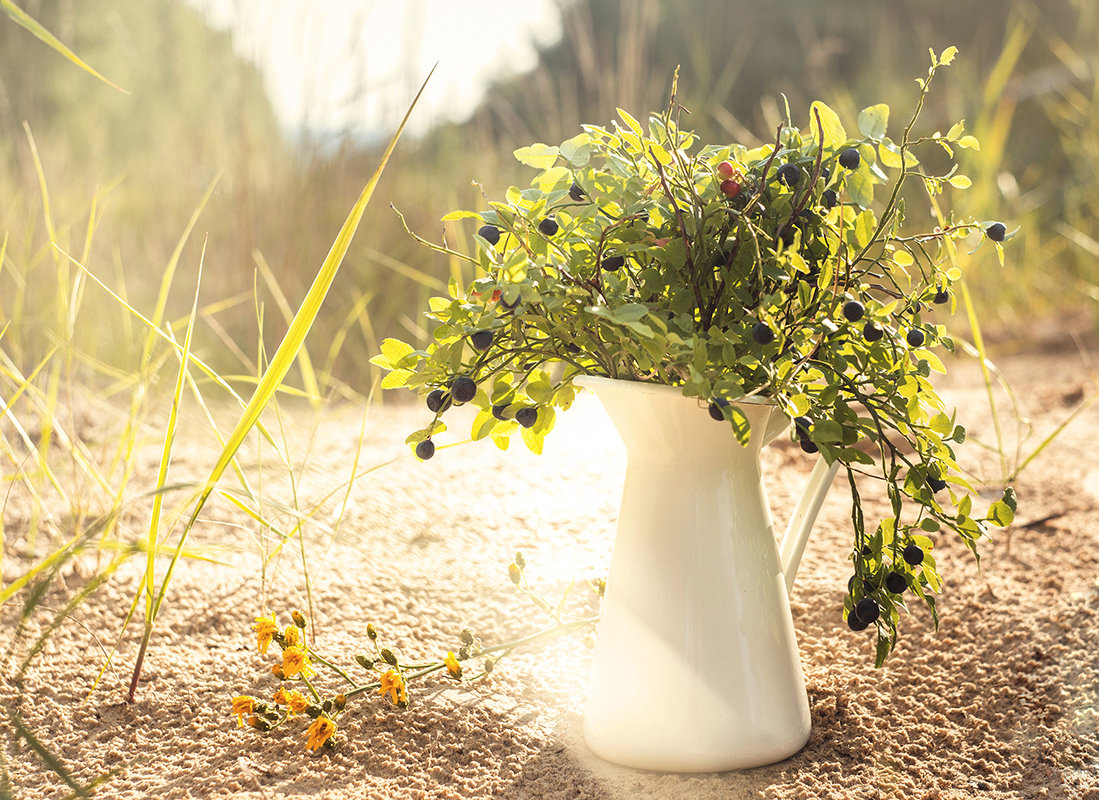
x=456 y=215
x=873 y=121
x=834 y=133
x=960 y=182
x=539 y=156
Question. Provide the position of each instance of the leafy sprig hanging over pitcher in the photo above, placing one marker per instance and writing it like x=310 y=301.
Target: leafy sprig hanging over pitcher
x=788 y=271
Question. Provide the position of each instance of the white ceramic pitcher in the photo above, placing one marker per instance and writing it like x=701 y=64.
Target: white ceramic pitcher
x=696 y=665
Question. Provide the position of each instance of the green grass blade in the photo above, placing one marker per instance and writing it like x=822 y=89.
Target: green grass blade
x=305 y=363
x=283 y=359
x=1084 y=406
x=166 y=450
x=25 y=20
x=978 y=342
x=170 y=270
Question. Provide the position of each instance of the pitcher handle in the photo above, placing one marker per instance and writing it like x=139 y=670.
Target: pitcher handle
x=801 y=523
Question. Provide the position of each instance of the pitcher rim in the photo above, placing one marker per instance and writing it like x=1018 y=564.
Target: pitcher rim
x=593 y=381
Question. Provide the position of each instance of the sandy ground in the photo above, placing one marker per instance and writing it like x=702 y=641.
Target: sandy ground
x=1001 y=702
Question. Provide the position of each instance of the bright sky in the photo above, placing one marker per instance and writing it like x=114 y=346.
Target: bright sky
x=354 y=65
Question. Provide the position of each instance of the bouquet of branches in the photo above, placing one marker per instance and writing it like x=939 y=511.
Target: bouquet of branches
x=788 y=271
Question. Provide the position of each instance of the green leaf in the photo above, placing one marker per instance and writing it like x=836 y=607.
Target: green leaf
x=834 y=133
x=635 y=126
x=393 y=350
x=533 y=440
x=457 y=215
x=873 y=122
x=539 y=156
x=396 y=379
x=577 y=150
x=1000 y=514
x=483 y=425
x=553 y=178
x=860 y=185
x=742 y=429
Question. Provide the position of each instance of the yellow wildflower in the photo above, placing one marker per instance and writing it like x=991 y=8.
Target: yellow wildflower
x=265 y=631
x=319 y=732
x=452 y=666
x=282 y=697
x=393 y=685
x=243 y=705
x=294 y=660
x=291 y=635
x=298 y=703
x=276 y=670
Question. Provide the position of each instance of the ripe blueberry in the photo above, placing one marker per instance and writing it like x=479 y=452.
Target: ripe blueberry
x=613 y=262
x=915 y=337
x=548 y=226
x=490 y=233
x=867 y=610
x=425 y=450
x=996 y=231
x=829 y=198
x=896 y=582
x=801 y=425
x=941 y=296
x=856 y=624
x=936 y=484
x=526 y=416
x=499 y=410
x=913 y=555
x=853 y=310
x=716 y=407
x=576 y=193
x=730 y=187
x=438 y=400
x=872 y=332
x=849 y=158
x=762 y=334
x=512 y=305
x=808 y=445
x=463 y=389
x=790 y=174
x=481 y=340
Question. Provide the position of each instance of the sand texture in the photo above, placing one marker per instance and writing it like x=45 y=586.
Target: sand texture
x=1001 y=702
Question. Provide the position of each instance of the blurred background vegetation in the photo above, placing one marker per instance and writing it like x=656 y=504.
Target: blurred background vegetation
x=124 y=172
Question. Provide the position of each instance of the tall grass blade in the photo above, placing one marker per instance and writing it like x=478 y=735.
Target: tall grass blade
x=284 y=357
x=149 y=581
x=39 y=31
x=305 y=363
x=978 y=342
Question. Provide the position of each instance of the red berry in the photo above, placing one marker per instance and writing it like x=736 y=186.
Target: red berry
x=725 y=170
x=730 y=187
